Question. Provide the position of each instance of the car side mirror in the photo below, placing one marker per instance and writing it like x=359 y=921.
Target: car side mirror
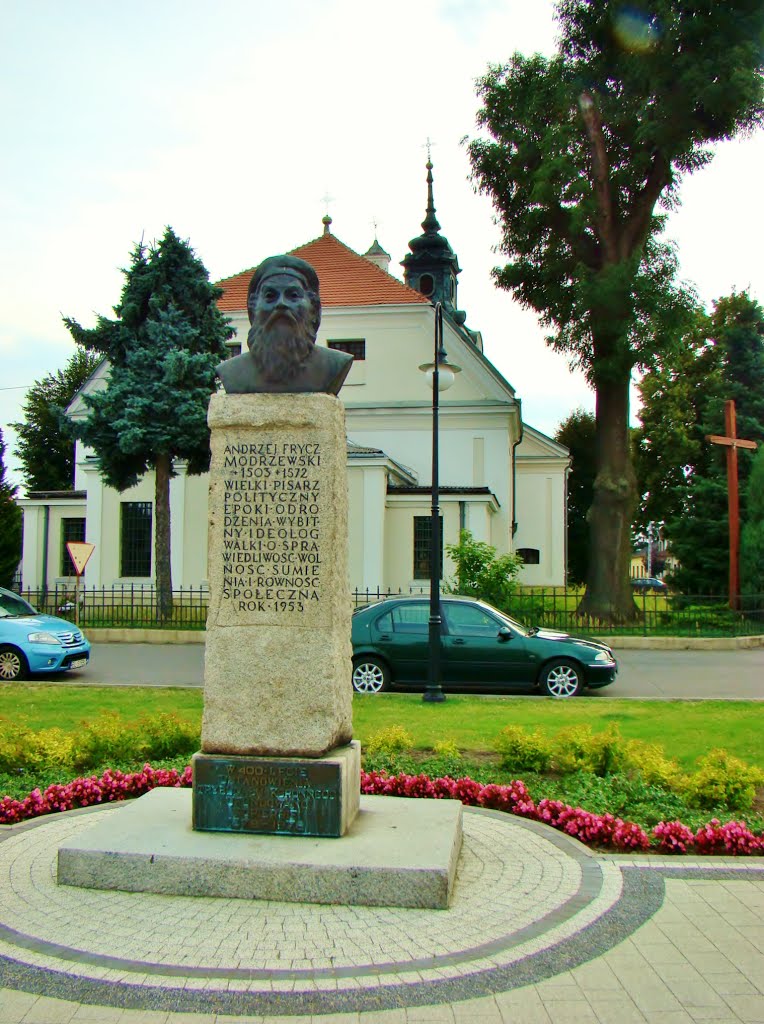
x=504 y=635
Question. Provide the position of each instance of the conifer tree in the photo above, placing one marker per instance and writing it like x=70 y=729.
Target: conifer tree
x=162 y=348
x=584 y=155
x=10 y=525
x=45 y=439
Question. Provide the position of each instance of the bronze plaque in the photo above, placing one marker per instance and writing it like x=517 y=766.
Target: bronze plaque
x=266 y=795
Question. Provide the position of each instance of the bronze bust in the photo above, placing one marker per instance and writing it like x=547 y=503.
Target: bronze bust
x=284 y=311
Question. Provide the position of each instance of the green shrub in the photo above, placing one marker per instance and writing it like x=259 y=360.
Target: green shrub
x=390 y=740
x=165 y=735
x=107 y=738
x=522 y=751
x=578 y=749
x=481 y=572
x=649 y=762
x=723 y=780
x=23 y=750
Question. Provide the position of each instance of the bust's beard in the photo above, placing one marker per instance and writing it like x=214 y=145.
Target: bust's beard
x=280 y=347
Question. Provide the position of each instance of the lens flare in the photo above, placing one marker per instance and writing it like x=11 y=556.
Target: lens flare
x=635 y=30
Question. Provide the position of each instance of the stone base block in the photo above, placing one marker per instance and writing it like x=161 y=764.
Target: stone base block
x=278 y=795
x=397 y=853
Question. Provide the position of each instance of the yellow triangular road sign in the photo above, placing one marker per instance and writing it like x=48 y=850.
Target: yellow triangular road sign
x=79 y=552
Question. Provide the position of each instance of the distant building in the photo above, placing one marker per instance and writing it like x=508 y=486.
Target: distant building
x=501 y=479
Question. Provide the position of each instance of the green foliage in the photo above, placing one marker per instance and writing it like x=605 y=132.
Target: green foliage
x=481 y=573
x=723 y=780
x=649 y=762
x=625 y=796
x=577 y=433
x=720 y=357
x=25 y=750
x=162 y=349
x=752 y=533
x=522 y=751
x=578 y=749
x=391 y=740
x=582 y=155
x=10 y=525
x=106 y=741
x=46 y=440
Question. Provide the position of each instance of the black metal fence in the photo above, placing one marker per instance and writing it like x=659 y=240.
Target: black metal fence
x=657 y=614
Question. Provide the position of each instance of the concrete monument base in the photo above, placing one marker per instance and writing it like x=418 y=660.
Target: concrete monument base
x=398 y=853
x=278 y=795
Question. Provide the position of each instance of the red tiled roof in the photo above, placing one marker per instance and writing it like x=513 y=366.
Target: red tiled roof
x=346 y=279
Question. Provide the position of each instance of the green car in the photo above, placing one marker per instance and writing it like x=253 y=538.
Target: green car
x=482 y=649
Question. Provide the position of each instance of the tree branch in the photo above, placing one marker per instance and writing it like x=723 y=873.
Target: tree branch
x=601 y=174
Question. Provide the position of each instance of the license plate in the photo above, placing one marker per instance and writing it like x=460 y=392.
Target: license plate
x=79 y=663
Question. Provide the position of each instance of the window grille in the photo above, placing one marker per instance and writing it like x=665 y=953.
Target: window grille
x=135 y=538
x=71 y=530
x=422 y=535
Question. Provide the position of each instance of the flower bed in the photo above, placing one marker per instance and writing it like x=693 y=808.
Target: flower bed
x=733 y=838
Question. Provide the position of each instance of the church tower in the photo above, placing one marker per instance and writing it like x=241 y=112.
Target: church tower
x=431 y=267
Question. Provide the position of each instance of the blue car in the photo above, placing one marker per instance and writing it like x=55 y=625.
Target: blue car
x=32 y=642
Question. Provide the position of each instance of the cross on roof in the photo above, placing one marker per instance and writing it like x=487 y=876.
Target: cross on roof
x=428 y=146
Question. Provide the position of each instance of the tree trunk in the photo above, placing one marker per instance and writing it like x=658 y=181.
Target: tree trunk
x=608 y=593
x=163 y=566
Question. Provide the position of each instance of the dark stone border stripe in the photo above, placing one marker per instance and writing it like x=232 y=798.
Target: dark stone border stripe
x=588 y=890
x=641 y=898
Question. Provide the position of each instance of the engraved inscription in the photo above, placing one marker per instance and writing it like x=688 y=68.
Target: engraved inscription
x=267 y=796
x=272 y=500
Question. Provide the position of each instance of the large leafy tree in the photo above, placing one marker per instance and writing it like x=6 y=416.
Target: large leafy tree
x=685 y=477
x=10 y=525
x=45 y=442
x=162 y=348
x=584 y=155
x=578 y=432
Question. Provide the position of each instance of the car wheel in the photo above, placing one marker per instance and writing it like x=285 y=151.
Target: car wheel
x=370 y=675
x=13 y=665
x=562 y=679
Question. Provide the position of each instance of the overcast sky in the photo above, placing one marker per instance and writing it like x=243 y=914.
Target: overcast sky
x=231 y=121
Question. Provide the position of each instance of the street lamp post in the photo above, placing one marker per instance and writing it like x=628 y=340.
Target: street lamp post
x=441 y=375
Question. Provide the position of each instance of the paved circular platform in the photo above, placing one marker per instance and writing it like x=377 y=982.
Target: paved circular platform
x=528 y=903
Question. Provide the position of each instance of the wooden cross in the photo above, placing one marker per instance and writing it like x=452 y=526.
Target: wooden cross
x=732 y=442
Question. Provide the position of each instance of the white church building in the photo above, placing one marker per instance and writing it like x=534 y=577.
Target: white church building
x=499 y=478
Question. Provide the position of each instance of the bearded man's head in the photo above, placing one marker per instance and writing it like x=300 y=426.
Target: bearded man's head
x=284 y=312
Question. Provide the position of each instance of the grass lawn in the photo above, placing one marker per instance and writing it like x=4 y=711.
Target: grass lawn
x=684 y=729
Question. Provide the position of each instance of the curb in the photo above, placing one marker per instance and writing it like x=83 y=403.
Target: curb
x=623 y=643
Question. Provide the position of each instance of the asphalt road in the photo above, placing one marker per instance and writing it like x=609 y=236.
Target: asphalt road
x=654 y=675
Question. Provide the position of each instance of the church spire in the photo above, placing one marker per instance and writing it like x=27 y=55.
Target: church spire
x=430 y=224
x=431 y=266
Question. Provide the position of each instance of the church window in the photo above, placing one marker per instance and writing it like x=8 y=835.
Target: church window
x=530 y=556
x=355 y=347
x=422 y=535
x=234 y=350
x=426 y=284
x=72 y=530
x=135 y=538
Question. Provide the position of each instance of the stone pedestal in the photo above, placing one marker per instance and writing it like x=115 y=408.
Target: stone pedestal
x=279 y=796
x=277 y=677
x=397 y=853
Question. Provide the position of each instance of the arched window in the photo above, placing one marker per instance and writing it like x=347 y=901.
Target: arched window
x=426 y=284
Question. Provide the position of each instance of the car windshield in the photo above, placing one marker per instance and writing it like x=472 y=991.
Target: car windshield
x=519 y=627
x=12 y=606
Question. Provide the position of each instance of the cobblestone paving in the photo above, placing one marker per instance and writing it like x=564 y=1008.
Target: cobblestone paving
x=540 y=931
